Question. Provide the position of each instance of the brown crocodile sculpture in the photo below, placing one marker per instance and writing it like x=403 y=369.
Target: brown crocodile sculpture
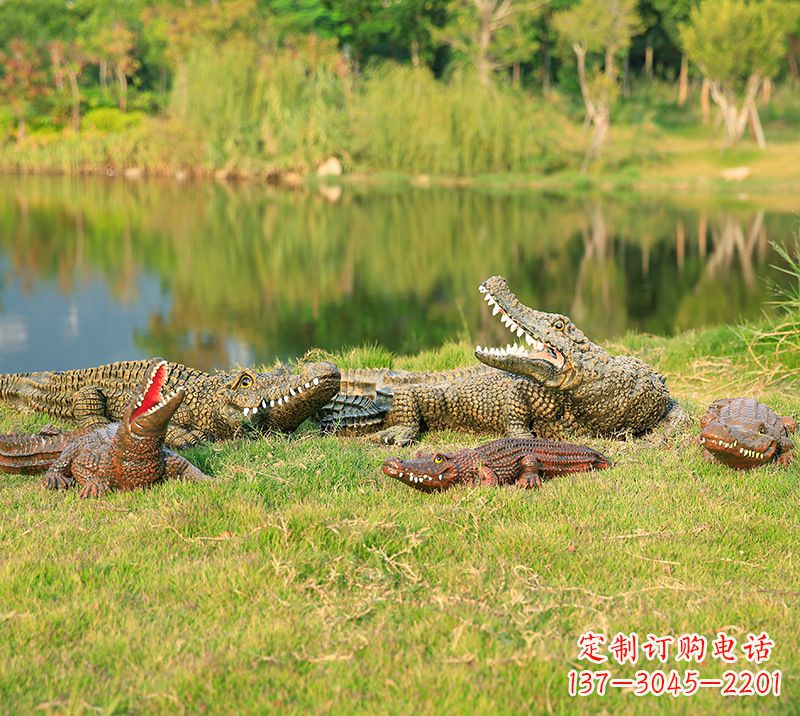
x=521 y=462
x=216 y=406
x=119 y=456
x=743 y=433
x=557 y=383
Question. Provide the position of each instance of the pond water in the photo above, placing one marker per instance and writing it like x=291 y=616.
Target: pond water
x=95 y=270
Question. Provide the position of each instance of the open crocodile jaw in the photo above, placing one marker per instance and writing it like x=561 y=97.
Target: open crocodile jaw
x=153 y=410
x=533 y=350
x=404 y=472
x=729 y=451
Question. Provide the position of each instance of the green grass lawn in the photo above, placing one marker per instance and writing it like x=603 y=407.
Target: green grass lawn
x=305 y=581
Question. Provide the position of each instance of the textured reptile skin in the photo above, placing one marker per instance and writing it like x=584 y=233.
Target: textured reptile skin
x=217 y=406
x=555 y=384
x=743 y=433
x=120 y=456
x=522 y=462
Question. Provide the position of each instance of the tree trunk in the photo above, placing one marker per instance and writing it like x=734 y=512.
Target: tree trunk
x=734 y=119
x=122 y=82
x=482 y=60
x=705 y=104
x=791 y=56
x=516 y=74
x=766 y=91
x=601 y=121
x=648 y=60
x=755 y=125
x=626 y=75
x=415 y=52
x=610 y=67
x=76 y=100
x=683 y=81
x=103 y=73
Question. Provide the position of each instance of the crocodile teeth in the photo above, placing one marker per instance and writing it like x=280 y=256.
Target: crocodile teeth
x=299 y=390
x=255 y=410
x=263 y=404
x=482 y=288
x=529 y=340
x=520 y=332
x=496 y=310
x=512 y=326
x=492 y=302
x=487 y=298
x=246 y=412
x=308 y=385
x=271 y=403
x=291 y=392
x=316 y=381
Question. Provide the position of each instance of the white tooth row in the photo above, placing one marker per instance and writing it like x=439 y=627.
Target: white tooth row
x=419 y=478
x=508 y=322
x=283 y=399
x=508 y=350
x=742 y=451
x=163 y=402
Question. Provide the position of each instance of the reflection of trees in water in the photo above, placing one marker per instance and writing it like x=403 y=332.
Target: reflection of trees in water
x=283 y=272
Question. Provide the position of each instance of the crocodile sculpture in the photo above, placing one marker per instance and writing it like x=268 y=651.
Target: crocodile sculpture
x=557 y=384
x=743 y=433
x=216 y=406
x=118 y=456
x=521 y=462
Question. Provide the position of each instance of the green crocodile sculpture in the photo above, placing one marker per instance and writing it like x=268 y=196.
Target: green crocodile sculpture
x=743 y=433
x=557 y=384
x=520 y=462
x=216 y=406
x=119 y=456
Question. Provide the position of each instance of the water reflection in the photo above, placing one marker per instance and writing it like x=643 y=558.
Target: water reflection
x=94 y=270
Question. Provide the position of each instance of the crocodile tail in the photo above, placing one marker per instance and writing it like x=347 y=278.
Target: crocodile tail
x=355 y=414
x=31 y=454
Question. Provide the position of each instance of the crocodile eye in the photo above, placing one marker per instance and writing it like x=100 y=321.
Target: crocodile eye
x=438 y=459
x=559 y=325
x=245 y=381
x=762 y=430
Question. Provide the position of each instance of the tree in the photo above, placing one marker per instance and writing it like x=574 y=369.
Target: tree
x=599 y=27
x=475 y=27
x=672 y=15
x=22 y=80
x=737 y=45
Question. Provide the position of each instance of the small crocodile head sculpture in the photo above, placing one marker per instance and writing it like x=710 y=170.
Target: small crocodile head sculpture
x=149 y=413
x=428 y=472
x=743 y=433
x=278 y=400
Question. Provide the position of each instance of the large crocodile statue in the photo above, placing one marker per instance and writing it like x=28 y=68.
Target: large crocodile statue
x=216 y=406
x=743 y=433
x=520 y=462
x=118 y=456
x=558 y=383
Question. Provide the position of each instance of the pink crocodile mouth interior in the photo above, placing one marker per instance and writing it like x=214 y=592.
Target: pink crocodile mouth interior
x=152 y=396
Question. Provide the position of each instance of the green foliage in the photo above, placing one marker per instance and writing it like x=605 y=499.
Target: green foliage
x=260 y=112
x=406 y=120
x=111 y=119
x=733 y=39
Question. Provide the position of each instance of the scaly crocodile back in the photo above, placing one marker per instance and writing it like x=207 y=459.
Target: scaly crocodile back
x=365 y=396
x=53 y=392
x=555 y=458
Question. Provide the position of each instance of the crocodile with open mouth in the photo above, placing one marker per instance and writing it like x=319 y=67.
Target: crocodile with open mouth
x=217 y=406
x=119 y=456
x=557 y=384
x=743 y=433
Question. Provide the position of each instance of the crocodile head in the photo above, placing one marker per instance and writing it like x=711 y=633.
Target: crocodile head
x=547 y=347
x=274 y=400
x=740 y=444
x=150 y=411
x=428 y=472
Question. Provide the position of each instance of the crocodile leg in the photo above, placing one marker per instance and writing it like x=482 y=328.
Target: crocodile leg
x=89 y=408
x=408 y=417
x=178 y=437
x=179 y=468
x=95 y=487
x=531 y=475
x=59 y=475
x=488 y=477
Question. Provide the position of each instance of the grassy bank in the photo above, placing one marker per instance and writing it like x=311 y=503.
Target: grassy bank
x=305 y=581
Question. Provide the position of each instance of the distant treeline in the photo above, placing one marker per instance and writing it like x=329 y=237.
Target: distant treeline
x=442 y=86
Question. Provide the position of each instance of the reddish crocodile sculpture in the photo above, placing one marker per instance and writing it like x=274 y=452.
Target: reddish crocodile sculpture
x=118 y=456
x=522 y=462
x=743 y=433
